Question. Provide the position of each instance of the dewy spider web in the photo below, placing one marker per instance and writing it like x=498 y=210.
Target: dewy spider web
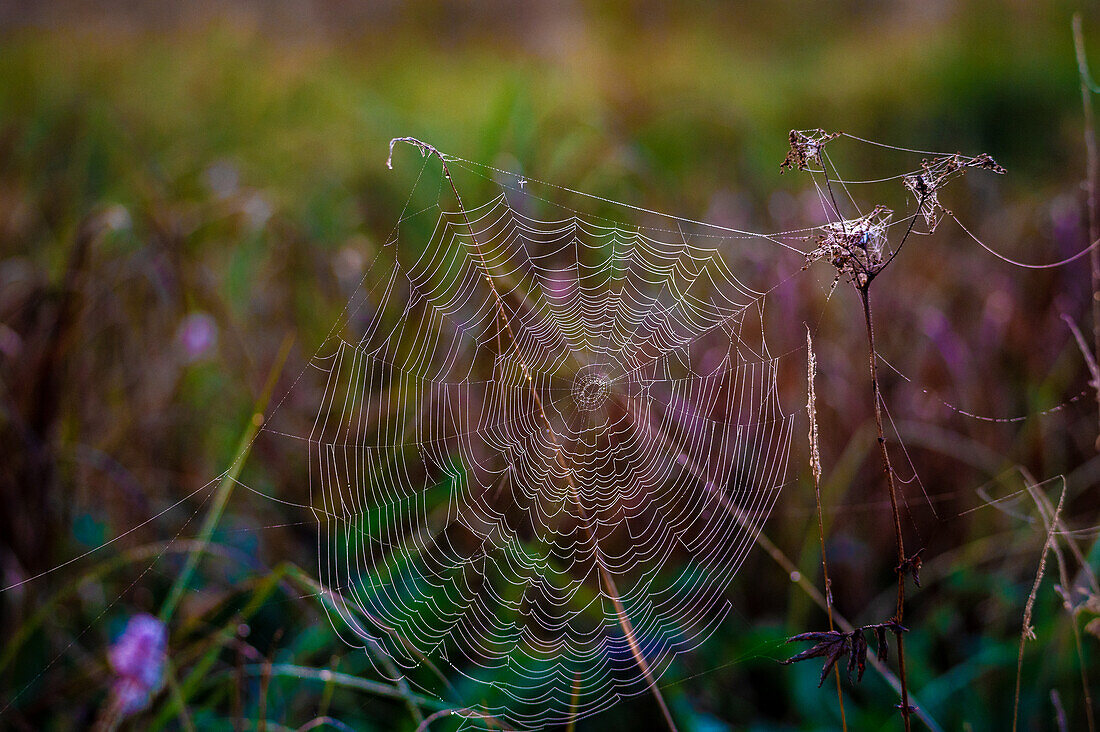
x=545 y=444
x=543 y=454
x=545 y=440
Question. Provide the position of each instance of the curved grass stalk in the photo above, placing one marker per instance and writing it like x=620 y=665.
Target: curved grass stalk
x=229 y=479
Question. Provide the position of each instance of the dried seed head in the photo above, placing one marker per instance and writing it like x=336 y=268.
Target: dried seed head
x=811 y=407
x=805 y=148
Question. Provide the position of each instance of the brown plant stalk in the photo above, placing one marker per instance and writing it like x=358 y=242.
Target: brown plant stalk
x=1027 y=632
x=888 y=469
x=1050 y=516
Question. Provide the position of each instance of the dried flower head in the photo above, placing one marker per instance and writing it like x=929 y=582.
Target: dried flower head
x=806 y=148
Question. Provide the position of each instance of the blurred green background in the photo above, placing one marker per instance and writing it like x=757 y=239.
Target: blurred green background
x=185 y=188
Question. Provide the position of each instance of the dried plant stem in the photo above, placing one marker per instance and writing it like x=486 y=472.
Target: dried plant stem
x=1090 y=360
x=1026 y=631
x=865 y=298
x=815 y=469
x=1093 y=172
x=1051 y=521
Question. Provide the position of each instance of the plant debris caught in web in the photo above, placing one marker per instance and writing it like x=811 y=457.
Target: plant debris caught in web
x=856 y=247
x=934 y=174
x=806 y=148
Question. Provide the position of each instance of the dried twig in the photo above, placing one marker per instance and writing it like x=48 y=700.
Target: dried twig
x=857 y=248
x=1051 y=521
x=1026 y=631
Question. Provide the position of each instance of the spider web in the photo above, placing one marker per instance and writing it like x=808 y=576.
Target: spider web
x=543 y=449
x=544 y=440
x=547 y=439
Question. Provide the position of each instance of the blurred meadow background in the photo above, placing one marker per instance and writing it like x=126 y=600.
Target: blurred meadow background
x=189 y=195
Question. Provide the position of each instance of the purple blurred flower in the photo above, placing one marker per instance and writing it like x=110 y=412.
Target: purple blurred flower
x=1065 y=223
x=222 y=178
x=350 y=262
x=11 y=344
x=116 y=217
x=256 y=210
x=138 y=658
x=197 y=334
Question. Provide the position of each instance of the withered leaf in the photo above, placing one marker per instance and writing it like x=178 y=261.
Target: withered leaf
x=857 y=656
x=911 y=566
x=883 y=648
x=830 y=644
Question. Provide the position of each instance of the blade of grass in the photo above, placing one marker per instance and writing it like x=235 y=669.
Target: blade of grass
x=225 y=487
x=398 y=678
x=332 y=601
x=174 y=690
x=221 y=638
x=338 y=679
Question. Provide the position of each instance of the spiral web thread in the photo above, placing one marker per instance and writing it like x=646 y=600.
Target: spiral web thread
x=545 y=445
